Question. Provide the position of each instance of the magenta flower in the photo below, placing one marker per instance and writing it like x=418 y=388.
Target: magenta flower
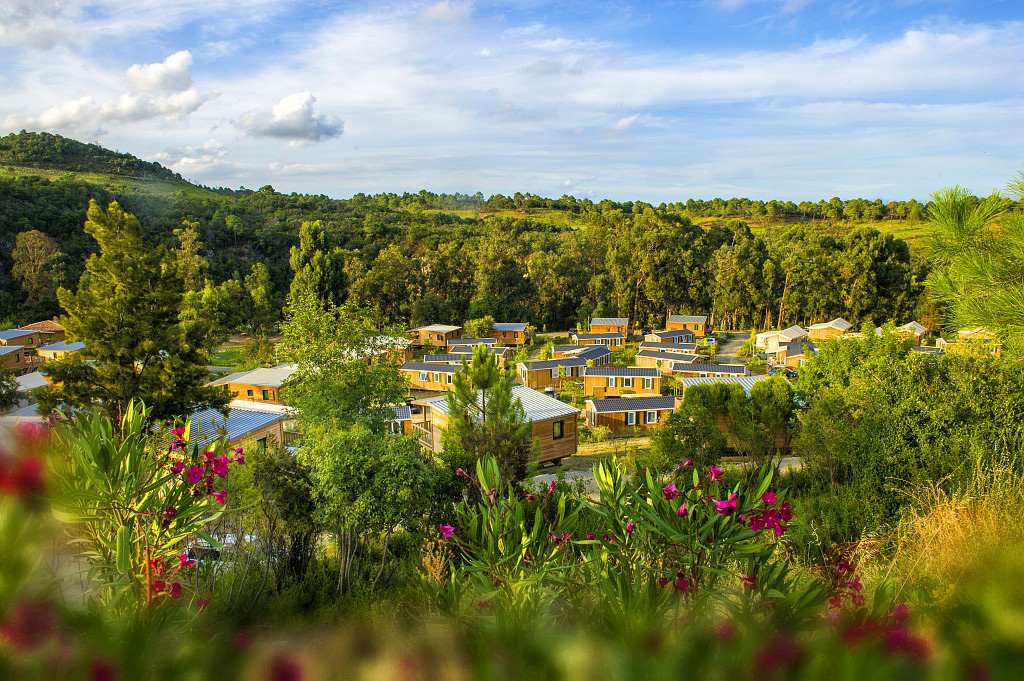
x=178 y=432
x=531 y=497
x=670 y=492
x=202 y=602
x=589 y=536
x=177 y=467
x=551 y=488
x=159 y=586
x=169 y=514
x=769 y=498
x=855 y=584
x=727 y=506
x=900 y=613
x=194 y=473
x=688 y=463
x=460 y=473
x=241 y=458
x=446 y=531
x=682 y=583
x=239 y=451
x=843 y=567
x=749 y=581
x=715 y=472
x=683 y=511
x=175 y=591
x=663 y=581
x=186 y=561
x=221 y=497
x=220 y=466
x=630 y=527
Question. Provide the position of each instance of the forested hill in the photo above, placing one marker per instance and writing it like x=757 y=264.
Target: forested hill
x=429 y=257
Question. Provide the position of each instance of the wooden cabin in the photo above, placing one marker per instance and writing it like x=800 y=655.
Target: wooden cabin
x=670 y=336
x=471 y=342
x=261 y=385
x=615 y=381
x=696 y=323
x=745 y=382
x=792 y=355
x=771 y=341
x=972 y=341
x=711 y=369
x=668 y=363
x=611 y=339
x=504 y=354
x=609 y=325
x=554 y=423
x=828 y=330
x=430 y=376
x=60 y=350
x=600 y=355
x=26 y=338
x=439 y=335
x=629 y=415
x=540 y=374
x=49 y=331
x=512 y=334
x=13 y=357
x=911 y=330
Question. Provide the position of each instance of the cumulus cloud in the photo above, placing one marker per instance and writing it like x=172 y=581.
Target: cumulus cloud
x=197 y=157
x=170 y=75
x=85 y=114
x=293 y=119
x=447 y=11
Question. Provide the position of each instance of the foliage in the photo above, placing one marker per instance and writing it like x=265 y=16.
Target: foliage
x=128 y=312
x=10 y=391
x=39 y=266
x=479 y=328
x=690 y=433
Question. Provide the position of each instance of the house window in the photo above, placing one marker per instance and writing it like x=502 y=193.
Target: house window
x=448 y=379
x=611 y=381
x=554 y=373
x=648 y=383
x=592 y=417
x=437 y=377
x=516 y=335
x=627 y=383
x=248 y=393
x=261 y=444
x=266 y=395
x=424 y=376
x=630 y=418
x=558 y=430
x=652 y=417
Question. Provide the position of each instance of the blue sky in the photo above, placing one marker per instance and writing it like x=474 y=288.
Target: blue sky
x=659 y=101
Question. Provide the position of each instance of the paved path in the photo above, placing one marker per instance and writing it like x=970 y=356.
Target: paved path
x=728 y=351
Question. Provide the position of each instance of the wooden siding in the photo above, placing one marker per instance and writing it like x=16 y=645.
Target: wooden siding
x=435 y=381
x=253 y=393
x=14 y=361
x=430 y=426
x=607 y=342
x=436 y=338
x=699 y=330
x=666 y=365
x=30 y=340
x=538 y=379
x=608 y=328
x=509 y=338
x=597 y=386
x=825 y=334
x=616 y=422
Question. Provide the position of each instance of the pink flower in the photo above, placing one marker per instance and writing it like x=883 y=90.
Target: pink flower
x=446 y=531
x=175 y=591
x=683 y=511
x=178 y=432
x=239 y=451
x=220 y=466
x=855 y=585
x=682 y=583
x=715 y=472
x=159 y=586
x=844 y=567
x=670 y=492
x=221 y=497
x=551 y=488
x=169 y=514
x=769 y=498
x=749 y=581
x=687 y=463
x=589 y=536
x=630 y=527
x=663 y=581
x=185 y=560
x=241 y=458
x=194 y=473
x=900 y=613
x=202 y=602
x=726 y=507
x=531 y=497
x=484 y=604
x=177 y=467
x=460 y=473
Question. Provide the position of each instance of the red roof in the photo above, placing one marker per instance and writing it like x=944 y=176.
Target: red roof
x=48 y=326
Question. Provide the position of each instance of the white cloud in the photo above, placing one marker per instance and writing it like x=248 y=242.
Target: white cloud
x=196 y=158
x=293 y=119
x=447 y=11
x=624 y=124
x=86 y=115
x=169 y=75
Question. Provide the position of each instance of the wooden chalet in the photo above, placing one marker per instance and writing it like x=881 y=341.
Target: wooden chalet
x=14 y=358
x=49 y=331
x=430 y=376
x=827 y=330
x=436 y=334
x=696 y=323
x=26 y=338
x=609 y=325
x=615 y=381
x=793 y=355
x=745 y=382
x=670 y=336
x=540 y=374
x=261 y=385
x=510 y=333
x=554 y=423
x=770 y=341
x=972 y=341
x=911 y=330
x=629 y=415
x=600 y=355
x=59 y=350
x=471 y=342
x=712 y=369
x=668 y=363
x=611 y=339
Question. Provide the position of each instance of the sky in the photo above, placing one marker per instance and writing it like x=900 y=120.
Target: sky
x=656 y=101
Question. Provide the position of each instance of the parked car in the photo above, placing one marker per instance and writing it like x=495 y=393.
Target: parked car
x=711 y=340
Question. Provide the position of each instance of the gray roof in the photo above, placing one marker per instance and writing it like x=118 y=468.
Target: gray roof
x=427 y=366
x=595 y=336
x=688 y=348
x=746 y=382
x=209 y=424
x=438 y=328
x=444 y=359
x=8 y=349
x=537 y=405
x=622 y=404
x=675 y=333
x=468 y=349
x=11 y=334
x=509 y=326
x=403 y=412
x=64 y=347
x=914 y=327
x=720 y=369
x=591 y=351
x=472 y=341
x=645 y=372
x=793 y=333
x=31 y=381
x=837 y=323
x=687 y=319
x=796 y=349
x=669 y=356
x=610 y=321
x=554 y=363
x=267 y=377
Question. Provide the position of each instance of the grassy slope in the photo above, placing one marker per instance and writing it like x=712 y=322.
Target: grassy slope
x=157 y=188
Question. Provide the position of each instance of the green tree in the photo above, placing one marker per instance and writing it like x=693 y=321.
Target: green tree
x=689 y=433
x=38 y=265
x=260 y=290
x=10 y=391
x=128 y=312
x=187 y=257
x=479 y=328
x=485 y=417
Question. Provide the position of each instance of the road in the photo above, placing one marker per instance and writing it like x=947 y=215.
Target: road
x=729 y=351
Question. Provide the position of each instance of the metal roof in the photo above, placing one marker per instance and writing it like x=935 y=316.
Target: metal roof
x=210 y=423
x=509 y=326
x=595 y=336
x=63 y=346
x=746 y=382
x=680 y=357
x=688 y=348
x=427 y=366
x=720 y=369
x=444 y=359
x=617 y=405
x=472 y=341
x=537 y=405
x=267 y=377
x=675 y=333
x=927 y=349
x=31 y=381
x=468 y=349
x=609 y=321
x=8 y=349
x=687 y=319
x=554 y=363
x=914 y=327
x=11 y=334
x=837 y=323
x=438 y=328
x=645 y=372
x=793 y=332
x=796 y=349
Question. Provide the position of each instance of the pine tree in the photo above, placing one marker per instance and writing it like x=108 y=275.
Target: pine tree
x=128 y=312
